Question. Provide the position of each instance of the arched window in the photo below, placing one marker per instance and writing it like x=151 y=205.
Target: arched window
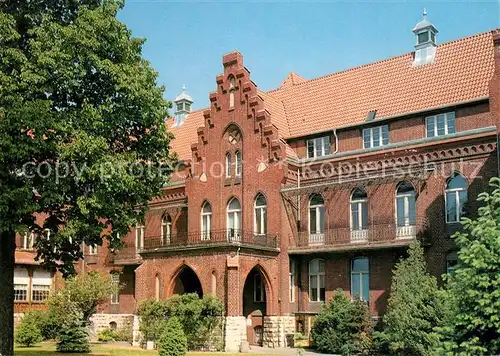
x=166 y=228
x=405 y=204
x=232 y=85
x=237 y=158
x=316 y=219
x=234 y=220
x=455 y=197
x=206 y=221
x=359 y=216
x=139 y=236
x=317 y=280
x=228 y=165
x=451 y=262
x=260 y=215
x=360 y=279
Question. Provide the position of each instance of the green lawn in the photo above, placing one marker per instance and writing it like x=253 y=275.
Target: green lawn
x=49 y=349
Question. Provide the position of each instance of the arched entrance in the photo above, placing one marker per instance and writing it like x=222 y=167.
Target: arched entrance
x=255 y=305
x=187 y=281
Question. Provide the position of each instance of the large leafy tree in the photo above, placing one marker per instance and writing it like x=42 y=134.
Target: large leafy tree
x=473 y=293
x=414 y=309
x=83 y=141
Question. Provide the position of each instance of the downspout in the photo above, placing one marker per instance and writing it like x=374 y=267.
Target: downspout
x=336 y=141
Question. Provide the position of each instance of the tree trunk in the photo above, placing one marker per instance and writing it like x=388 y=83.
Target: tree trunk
x=7 y=249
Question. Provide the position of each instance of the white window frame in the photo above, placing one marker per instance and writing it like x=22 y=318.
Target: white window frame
x=237 y=163
x=206 y=221
x=458 y=206
x=406 y=198
x=233 y=232
x=40 y=285
x=228 y=165
x=115 y=297
x=262 y=295
x=92 y=250
x=360 y=274
x=324 y=149
x=380 y=130
x=21 y=283
x=291 y=280
x=263 y=219
x=434 y=119
x=321 y=275
x=28 y=240
x=166 y=229
x=359 y=204
x=317 y=208
x=139 y=236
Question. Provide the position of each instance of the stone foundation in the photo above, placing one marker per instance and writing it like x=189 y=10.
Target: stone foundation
x=278 y=331
x=103 y=321
x=235 y=333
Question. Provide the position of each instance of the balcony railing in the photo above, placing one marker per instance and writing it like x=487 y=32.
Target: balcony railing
x=210 y=238
x=345 y=237
x=126 y=256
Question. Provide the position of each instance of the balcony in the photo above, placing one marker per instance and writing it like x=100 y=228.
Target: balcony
x=210 y=239
x=345 y=238
x=126 y=256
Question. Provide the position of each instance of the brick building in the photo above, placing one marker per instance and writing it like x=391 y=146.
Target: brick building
x=286 y=195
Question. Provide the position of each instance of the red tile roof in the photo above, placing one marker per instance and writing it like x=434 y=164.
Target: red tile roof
x=461 y=72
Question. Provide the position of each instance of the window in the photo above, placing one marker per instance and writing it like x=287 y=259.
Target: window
x=259 y=293
x=405 y=204
x=260 y=216
x=139 y=236
x=292 y=281
x=21 y=281
x=359 y=210
x=166 y=229
x=455 y=197
x=316 y=215
x=317 y=280
x=206 y=221
x=92 y=250
x=187 y=106
x=234 y=219
x=423 y=37
x=180 y=106
x=439 y=125
x=231 y=92
x=228 y=165
x=451 y=262
x=115 y=296
x=28 y=240
x=318 y=147
x=360 y=279
x=237 y=158
x=376 y=136
x=41 y=284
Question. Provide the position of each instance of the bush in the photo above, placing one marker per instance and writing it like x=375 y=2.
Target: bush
x=107 y=334
x=299 y=337
x=73 y=336
x=48 y=322
x=28 y=333
x=152 y=313
x=414 y=308
x=172 y=341
x=342 y=326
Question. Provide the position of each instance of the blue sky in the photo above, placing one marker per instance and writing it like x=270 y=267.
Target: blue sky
x=186 y=39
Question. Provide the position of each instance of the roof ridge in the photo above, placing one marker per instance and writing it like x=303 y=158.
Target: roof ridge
x=380 y=61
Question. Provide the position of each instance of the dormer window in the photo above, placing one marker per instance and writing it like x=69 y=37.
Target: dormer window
x=317 y=147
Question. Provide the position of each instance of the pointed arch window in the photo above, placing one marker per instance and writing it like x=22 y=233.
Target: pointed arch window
x=232 y=86
x=360 y=279
x=234 y=220
x=316 y=219
x=260 y=215
x=237 y=163
x=206 y=221
x=455 y=197
x=166 y=229
x=317 y=280
x=228 y=165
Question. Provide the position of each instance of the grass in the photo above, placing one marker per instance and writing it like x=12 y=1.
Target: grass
x=49 y=349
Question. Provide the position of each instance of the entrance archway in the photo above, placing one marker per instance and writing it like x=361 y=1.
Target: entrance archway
x=255 y=296
x=186 y=281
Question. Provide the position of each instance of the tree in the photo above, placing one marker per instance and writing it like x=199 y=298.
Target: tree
x=73 y=335
x=414 y=307
x=172 y=342
x=84 y=142
x=342 y=326
x=473 y=290
x=28 y=334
